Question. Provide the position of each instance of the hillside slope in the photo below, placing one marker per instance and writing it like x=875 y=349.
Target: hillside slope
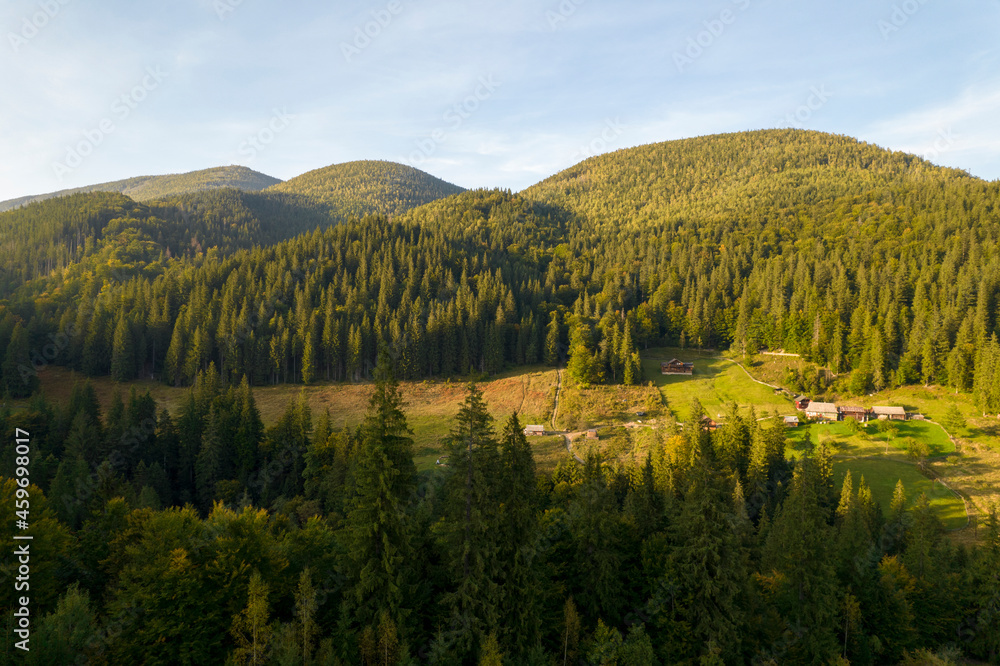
x=145 y=188
x=356 y=189
x=720 y=175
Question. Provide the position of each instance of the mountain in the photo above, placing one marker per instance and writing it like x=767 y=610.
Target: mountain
x=356 y=189
x=875 y=264
x=145 y=188
x=733 y=174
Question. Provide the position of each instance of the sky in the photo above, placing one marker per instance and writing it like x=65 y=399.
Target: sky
x=481 y=93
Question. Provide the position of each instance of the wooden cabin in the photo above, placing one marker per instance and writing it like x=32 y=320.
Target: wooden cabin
x=676 y=367
x=890 y=413
x=823 y=411
x=859 y=414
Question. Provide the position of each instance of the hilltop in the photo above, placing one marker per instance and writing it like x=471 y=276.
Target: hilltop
x=356 y=189
x=146 y=188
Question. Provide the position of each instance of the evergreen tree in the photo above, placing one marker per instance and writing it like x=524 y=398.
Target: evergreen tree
x=471 y=526
x=376 y=532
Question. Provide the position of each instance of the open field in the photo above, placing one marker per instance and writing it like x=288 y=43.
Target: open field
x=549 y=452
x=429 y=405
x=868 y=440
x=583 y=407
x=882 y=475
x=717 y=382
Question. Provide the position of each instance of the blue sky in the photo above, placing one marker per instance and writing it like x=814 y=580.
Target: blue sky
x=481 y=93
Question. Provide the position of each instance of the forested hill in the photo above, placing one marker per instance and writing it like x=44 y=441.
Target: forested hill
x=145 y=188
x=355 y=189
x=789 y=172
x=875 y=265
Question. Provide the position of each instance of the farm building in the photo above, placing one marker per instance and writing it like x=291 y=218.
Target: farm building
x=824 y=411
x=792 y=421
x=709 y=424
x=537 y=430
x=591 y=434
x=859 y=414
x=675 y=367
x=801 y=402
x=890 y=413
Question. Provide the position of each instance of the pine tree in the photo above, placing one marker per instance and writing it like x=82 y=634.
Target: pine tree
x=20 y=379
x=797 y=550
x=376 y=530
x=471 y=524
x=251 y=630
x=518 y=584
x=552 y=339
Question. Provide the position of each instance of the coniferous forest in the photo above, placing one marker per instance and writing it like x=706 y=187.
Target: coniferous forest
x=203 y=535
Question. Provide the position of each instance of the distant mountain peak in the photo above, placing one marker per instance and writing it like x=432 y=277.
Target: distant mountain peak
x=145 y=188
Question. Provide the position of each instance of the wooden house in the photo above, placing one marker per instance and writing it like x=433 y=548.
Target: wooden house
x=823 y=411
x=791 y=422
x=536 y=430
x=592 y=434
x=801 y=402
x=890 y=413
x=859 y=414
x=676 y=367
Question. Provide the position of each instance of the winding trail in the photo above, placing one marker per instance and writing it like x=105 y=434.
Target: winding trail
x=569 y=446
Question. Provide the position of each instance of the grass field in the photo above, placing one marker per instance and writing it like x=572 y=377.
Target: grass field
x=717 y=382
x=882 y=475
x=868 y=440
x=429 y=405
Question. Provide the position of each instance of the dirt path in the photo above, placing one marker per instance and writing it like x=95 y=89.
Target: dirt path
x=569 y=446
x=524 y=395
x=555 y=408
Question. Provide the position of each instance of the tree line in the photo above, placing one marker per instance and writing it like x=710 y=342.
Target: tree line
x=204 y=537
x=873 y=265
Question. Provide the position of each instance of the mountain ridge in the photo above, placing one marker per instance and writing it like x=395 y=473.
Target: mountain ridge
x=146 y=188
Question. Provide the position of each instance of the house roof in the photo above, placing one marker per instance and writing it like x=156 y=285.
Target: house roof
x=535 y=428
x=852 y=408
x=890 y=411
x=791 y=419
x=823 y=407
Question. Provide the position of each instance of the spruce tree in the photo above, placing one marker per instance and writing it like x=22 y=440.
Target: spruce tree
x=471 y=526
x=376 y=531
